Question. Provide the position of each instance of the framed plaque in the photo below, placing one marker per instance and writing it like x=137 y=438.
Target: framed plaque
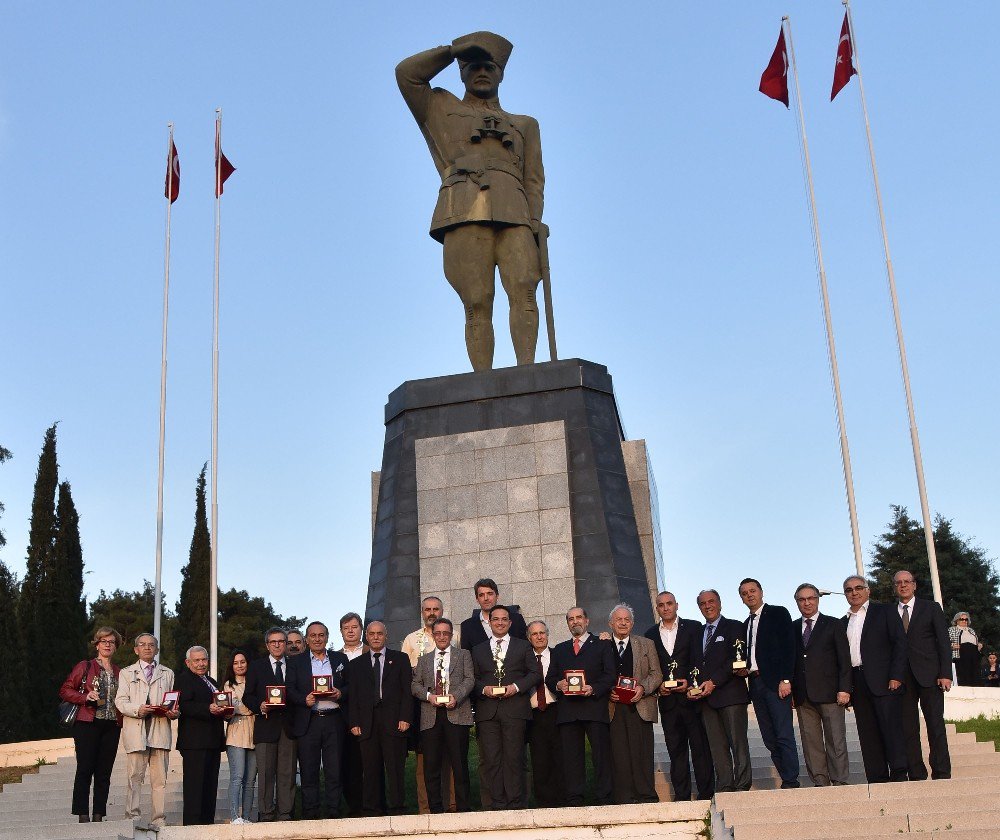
x=275 y=695
x=171 y=701
x=322 y=685
x=223 y=699
x=626 y=688
x=576 y=681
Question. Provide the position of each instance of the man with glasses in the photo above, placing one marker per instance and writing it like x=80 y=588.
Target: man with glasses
x=821 y=686
x=927 y=677
x=273 y=734
x=877 y=644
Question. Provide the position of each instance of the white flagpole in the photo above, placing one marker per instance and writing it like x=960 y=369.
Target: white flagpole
x=831 y=347
x=163 y=392
x=904 y=368
x=213 y=599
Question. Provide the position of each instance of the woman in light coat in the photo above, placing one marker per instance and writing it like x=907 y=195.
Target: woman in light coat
x=146 y=733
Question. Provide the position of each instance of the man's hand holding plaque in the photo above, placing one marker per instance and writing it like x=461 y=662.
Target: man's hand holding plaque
x=626 y=690
x=322 y=686
x=576 y=683
x=222 y=704
x=275 y=697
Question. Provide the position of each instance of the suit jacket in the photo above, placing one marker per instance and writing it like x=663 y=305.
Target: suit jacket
x=597 y=660
x=473 y=634
x=645 y=669
x=461 y=681
x=883 y=647
x=824 y=667
x=133 y=692
x=397 y=698
x=928 y=644
x=520 y=666
x=293 y=719
x=300 y=683
x=716 y=664
x=687 y=653
x=197 y=727
x=775 y=646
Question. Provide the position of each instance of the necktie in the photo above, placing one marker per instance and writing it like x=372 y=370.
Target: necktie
x=208 y=682
x=279 y=673
x=807 y=632
x=378 y=673
x=621 y=648
x=540 y=690
x=906 y=617
x=750 y=637
x=709 y=633
x=149 y=671
x=576 y=646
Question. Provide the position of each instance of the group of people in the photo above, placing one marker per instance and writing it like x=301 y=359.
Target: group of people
x=357 y=711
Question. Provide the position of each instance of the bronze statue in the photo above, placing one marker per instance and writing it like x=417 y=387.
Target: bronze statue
x=489 y=207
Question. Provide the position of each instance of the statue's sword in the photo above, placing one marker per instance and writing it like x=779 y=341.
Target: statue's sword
x=543 y=253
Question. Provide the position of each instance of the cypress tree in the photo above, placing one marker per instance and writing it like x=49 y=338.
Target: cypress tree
x=192 y=606
x=13 y=725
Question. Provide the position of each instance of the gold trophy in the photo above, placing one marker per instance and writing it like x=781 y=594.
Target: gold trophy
x=440 y=696
x=499 y=671
x=671 y=681
x=695 y=690
x=101 y=699
x=739 y=663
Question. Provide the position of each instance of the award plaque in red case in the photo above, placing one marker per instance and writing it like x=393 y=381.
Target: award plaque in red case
x=275 y=695
x=626 y=688
x=322 y=685
x=171 y=702
x=576 y=681
x=223 y=699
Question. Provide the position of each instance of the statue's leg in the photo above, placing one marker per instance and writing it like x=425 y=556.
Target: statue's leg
x=469 y=265
x=520 y=273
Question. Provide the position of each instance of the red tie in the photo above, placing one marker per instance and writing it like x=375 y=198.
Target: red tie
x=540 y=690
x=576 y=647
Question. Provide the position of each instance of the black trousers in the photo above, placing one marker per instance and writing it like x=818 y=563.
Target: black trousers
x=571 y=734
x=96 y=744
x=726 y=730
x=880 y=731
x=323 y=743
x=931 y=700
x=683 y=732
x=445 y=745
x=545 y=745
x=384 y=751
x=501 y=755
x=201 y=785
x=350 y=776
x=632 y=757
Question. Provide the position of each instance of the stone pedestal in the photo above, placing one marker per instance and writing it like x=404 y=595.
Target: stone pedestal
x=518 y=475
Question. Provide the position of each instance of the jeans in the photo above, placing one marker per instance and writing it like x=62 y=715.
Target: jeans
x=242 y=781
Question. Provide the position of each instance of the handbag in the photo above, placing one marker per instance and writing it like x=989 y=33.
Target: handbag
x=68 y=711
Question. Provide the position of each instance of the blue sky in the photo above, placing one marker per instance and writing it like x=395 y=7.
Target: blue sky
x=681 y=259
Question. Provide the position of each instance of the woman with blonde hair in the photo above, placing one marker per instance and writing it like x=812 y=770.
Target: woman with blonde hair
x=92 y=686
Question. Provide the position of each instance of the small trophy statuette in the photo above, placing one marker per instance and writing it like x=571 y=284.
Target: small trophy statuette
x=499 y=671
x=739 y=663
x=440 y=696
x=671 y=681
x=695 y=690
x=101 y=699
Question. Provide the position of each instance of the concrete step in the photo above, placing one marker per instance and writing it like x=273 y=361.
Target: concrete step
x=930 y=805
x=107 y=830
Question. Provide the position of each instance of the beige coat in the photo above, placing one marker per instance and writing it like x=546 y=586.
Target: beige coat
x=239 y=730
x=646 y=669
x=133 y=692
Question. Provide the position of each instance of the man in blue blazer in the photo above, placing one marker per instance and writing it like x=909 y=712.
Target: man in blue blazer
x=878 y=661
x=770 y=656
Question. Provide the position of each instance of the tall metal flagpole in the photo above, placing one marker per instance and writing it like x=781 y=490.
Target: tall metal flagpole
x=831 y=347
x=914 y=436
x=163 y=391
x=213 y=600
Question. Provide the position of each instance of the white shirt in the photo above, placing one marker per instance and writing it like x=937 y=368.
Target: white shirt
x=504 y=644
x=549 y=696
x=899 y=607
x=855 y=624
x=353 y=653
x=619 y=647
x=753 y=637
x=668 y=635
x=284 y=666
x=485 y=621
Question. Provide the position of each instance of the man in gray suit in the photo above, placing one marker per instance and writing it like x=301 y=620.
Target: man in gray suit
x=445 y=671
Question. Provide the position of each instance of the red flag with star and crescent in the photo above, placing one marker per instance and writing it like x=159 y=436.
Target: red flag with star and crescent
x=774 y=79
x=172 y=183
x=844 y=68
x=223 y=168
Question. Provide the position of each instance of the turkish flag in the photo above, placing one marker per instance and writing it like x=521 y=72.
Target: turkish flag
x=172 y=184
x=774 y=79
x=223 y=168
x=844 y=68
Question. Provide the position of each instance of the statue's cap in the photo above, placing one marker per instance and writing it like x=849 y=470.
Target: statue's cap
x=479 y=46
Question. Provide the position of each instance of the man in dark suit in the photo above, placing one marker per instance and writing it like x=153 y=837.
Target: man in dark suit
x=878 y=659
x=444 y=671
x=322 y=740
x=723 y=697
x=200 y=737
x=770 y=653
x=585 y=713
x=544 y=743
x=275 y=729
x=503 y=661
x=821 y=686
x=476 y=629
x=927 y=677
x=678 y=645
x=380 y=711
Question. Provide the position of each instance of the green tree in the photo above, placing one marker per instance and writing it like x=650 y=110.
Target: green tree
x=5 y=455
x=66 y=608
x=193 y=603
x=131 y=613
x=243 y=620
x=969 y=581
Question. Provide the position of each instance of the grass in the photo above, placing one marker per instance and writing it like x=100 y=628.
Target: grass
x=10 y=775
x=986 y=729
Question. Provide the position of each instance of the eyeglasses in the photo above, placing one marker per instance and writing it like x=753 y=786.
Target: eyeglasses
x=963 y=619
x=146 y=645
x=803 y=598
x=905 y=582
x=106 y=642
x=849 y=589
x=276 y=642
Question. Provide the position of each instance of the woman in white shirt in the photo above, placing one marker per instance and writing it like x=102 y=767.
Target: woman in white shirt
x=239 y=744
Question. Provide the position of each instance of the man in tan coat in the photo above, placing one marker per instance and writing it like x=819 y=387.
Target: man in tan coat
x=633 y=713
x=146 y=734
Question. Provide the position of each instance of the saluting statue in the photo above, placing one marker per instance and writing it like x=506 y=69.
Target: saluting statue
x=489 y=207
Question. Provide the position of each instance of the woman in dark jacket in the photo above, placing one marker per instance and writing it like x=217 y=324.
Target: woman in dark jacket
x=92 y=685
x=991 y=671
